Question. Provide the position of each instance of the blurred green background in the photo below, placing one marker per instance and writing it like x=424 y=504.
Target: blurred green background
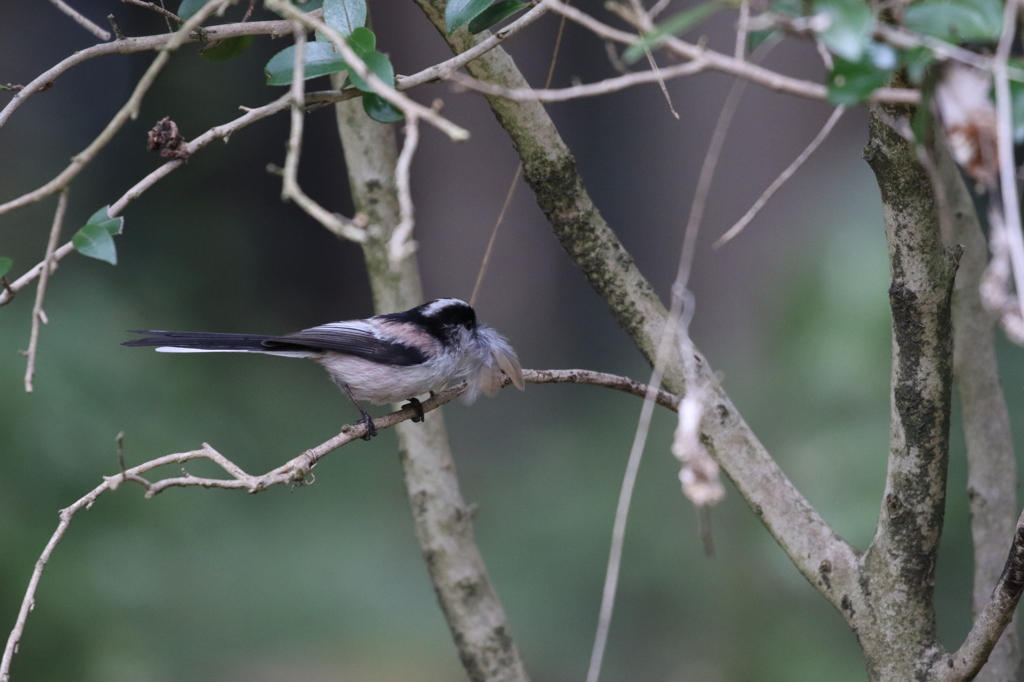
x=325 y=582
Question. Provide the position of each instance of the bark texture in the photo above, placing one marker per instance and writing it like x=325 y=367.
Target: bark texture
x=899 y=566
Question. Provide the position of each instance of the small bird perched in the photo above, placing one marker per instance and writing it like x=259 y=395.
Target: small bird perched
x=384 y=358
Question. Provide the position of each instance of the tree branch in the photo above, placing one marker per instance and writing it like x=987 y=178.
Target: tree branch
x=603 y=87
x=81 y=20
x=720 y=62
x=548 y=166
x=294 y=471
x=442 y=518
x=46 y=79
x=129 y=110
x=38 y=315
x=994 y=617
x=991 y=464
x=899 y=566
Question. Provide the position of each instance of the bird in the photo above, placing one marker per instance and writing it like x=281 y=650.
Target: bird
x=381 y=359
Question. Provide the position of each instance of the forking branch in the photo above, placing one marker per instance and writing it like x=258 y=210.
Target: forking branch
x=296 y=471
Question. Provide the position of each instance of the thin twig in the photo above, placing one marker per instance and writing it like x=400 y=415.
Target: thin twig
x=38 y=316
x=742 y=31
x=290 y=185
x=218 y=132
x=295 y=471
x=965 y=663
x=128 y=111
x=81 y=20
x=644 y=20
x=156 y=8
x=1007 y=167
x=604 y=87
x=386 y=91
x=781 y=180
x=672 y=326
x=485 y=261
x=401 y=244
x=112 y=20
x=290 y=189
x=720 y=62
x=46 y=79
x=440 y=71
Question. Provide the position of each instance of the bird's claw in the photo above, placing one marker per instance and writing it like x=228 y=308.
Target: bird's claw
x=371 y=430
x=417 y=407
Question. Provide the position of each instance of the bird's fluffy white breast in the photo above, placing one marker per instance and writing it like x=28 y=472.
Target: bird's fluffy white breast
x=381 y=383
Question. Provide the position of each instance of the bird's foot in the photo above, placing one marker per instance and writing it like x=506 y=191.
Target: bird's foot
x=417 y=407
x=371 y=430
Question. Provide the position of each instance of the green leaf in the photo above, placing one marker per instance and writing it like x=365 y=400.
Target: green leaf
x=189 y=7
x=851 y=27
x=223 y=50
x=102 y=219
x=852 y=82
x=499 y=11
x=95 y=242
x=674 y=25
x=957 y=21
x=308 y=6
x=362 y=40
x=345 y=16
x=321 y=59
x=458 y=12
x=379 y=65
x=5 y=266
x=381 y=110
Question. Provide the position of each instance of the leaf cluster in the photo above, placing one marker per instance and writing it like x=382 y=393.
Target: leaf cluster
x=849 y=30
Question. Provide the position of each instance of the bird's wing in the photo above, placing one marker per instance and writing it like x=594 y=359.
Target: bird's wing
x=355 y=338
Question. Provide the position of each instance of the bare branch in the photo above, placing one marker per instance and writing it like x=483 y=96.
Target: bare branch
x=290 y=189
x=156 y=8
x=589 y=90
x=38 y=316
x=727 y=64
x=441 y=71
x=401 y=244
x=132 y=45
x=81 y=20
x=295 y=471
x=494 y=235
x=993 y=619
x=586 y=237
x=218 y=132
x=903 y=553
x=128 y=111
x=781 y=180
x=694 y=385
x=991 y=464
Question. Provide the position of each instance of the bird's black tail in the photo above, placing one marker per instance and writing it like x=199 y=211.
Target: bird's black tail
x=201 y=341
